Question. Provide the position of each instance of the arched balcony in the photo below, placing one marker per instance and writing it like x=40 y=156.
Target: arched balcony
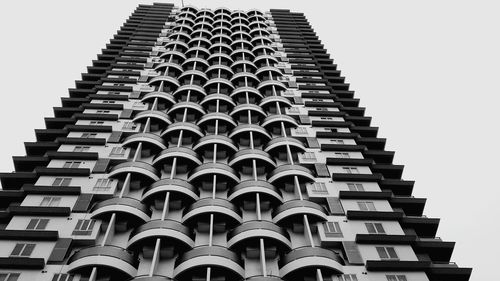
x=293 y=211
x=129 y=212
x=226 y=214
x=182 y=193
x=190 y=133
x=225 y=146
x=203 y=176
x=243 y=161
x=151 y=143
x=246 y=191
x=186 y=159
x=249 y=233
x=306 y=260
x=224 y=122
x=241 y=135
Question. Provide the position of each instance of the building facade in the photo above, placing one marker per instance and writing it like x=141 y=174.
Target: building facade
x=214 y=145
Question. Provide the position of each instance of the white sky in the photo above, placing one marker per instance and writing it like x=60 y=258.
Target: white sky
x=424 y=70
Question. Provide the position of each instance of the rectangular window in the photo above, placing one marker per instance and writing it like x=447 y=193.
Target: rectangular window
x=366 y=206
x=129 y=126
x=50 y=201
x=117 y=151
x=9 y=276
x=337 y=141
x=103 y=184
x=347 y=277
x=332 y=229
x=81 y=148
x=84 y=227
x=137 y=104
x=355 y=187
x=62 y=277
x=309 y=156
x=396 y=277
x=350 y=170
x=89 y=135
x=61 y=182
x=375 y=228
x=108 y=101
x=387 y=253
x=319 y=187
x=37 y=224
x=293 y=109
x=22 y=250
x=342 y=155
x=72 y=164
x=103 y=111
x=301 y=131
x=97 y=123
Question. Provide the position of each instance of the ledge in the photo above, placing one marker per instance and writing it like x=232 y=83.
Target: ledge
x=39 y=211
x=373 y=215
x=22 y=263
x=385 y=239
x=73 y=155
x=34 y=235
x=344 y=194
x=42 y=171
x=356 y=177
x=48 y=189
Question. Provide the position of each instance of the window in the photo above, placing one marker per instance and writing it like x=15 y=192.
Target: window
x=37 y=224
x=84 y=227
x=103 y=184
x=62 y=277
x=50 y=201
x=129 y=126
x=97 y=123
x=387 y=253
x=319 y=187
x=72 y=164
x=108 y=101
x=309 y=156
x=22 y=250
x=342 y=155
x=301 y=130
x=81 y=148
x=103 y=111
x=375 y=228
x=332 y=229
x=117 y=151
x=396 y=277
x=366 y=206
x=137 y=104
x=350 y=170
x=9 y=276
x=293 y=109
x=337 y=141
x=61 y=182
x=89 y=135
x=355 y=187
x=347 y=277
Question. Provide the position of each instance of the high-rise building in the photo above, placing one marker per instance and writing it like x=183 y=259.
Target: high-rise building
x=214 y=145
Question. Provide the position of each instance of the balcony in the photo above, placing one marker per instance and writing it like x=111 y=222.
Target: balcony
x=286 y=173
x=294 y=210
x=205 y=173
x=226 y=214
x=221 y=121
x=140 y=171
x=241 y=135
x=225 y=103
x=246 y=191
x=182 y=193
x=151 y=143
x=158 y=119
x=243 y=161
x=166 y=80
x=172 y=234
x=129 y=210
x=222 y=261
x=225 y=146
x=190 y=132
x=116 y=260
x=186 y=159
x=241 y=111
x=278 y=147
x=448 y=272
x=274 y=123
x=308 y=259
x=250 y=232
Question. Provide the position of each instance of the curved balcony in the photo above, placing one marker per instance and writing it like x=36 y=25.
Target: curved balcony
x=130 y=210
x=190 y=132
x=172 y=54
x=195 y=92
x=216 y=58
x=141 y=171
x=172 y=234
x=181 y=192
x=225 y=146
x=243 y=56
x=264 y=278
x=246 y=190
x=158 y=119
x=216 y=68
x=272 y=102
x=264 y=71
x=218 y=85
x=261 y=40
x=187 y=159
x=240 y=94
x=171 y=82
x=199 y=62
x=184 y=20
x=226 y=214
x=241 y=34
x=240 y=113
x=274 y=122
x=174 y=44
x=224 y=103
x=241 y=134
x=194 y=111
x=204 y=175
x=181 y=26
x=259 y=31
x=222 y=261
x=245 y=79
x=250 y=232
x=305 y=259
x=224 y=122
x=285 y=174
x=151 y=143
x=186 y=76
x=197 y=50
x=243 y=161
x=268 y=85
x=170 y=66
x=278 y=147
x=150 y=278
x=293 y=211
x=164 y=100
x=118 y=261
